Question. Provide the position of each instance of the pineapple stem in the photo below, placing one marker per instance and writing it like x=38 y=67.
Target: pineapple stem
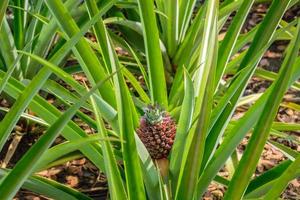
x=163 y=167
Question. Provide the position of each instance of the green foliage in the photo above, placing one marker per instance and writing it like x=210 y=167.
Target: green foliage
x=172 y=56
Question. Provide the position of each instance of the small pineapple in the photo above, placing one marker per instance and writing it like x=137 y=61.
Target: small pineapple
x=157 y=131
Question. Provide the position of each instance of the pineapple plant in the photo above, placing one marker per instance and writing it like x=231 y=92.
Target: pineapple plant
x=176 y=48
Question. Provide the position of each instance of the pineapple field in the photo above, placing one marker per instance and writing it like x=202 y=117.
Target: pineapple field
x=149 y=99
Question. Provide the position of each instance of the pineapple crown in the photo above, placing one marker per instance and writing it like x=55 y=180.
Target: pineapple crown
x=154 y=114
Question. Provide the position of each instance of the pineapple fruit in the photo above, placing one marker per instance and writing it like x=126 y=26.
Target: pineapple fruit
x=157 y=131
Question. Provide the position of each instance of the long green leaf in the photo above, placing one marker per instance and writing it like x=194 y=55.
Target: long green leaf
x=172 y=32
x=3 y=6
x=116 y=187
x=18 y=23
x=185 y=15
x=154 y=57
x=8 y=49
x=99 y=33
x=183 y=127
x=230 y=39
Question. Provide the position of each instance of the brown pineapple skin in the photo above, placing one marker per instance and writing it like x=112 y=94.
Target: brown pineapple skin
x=159 y=137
